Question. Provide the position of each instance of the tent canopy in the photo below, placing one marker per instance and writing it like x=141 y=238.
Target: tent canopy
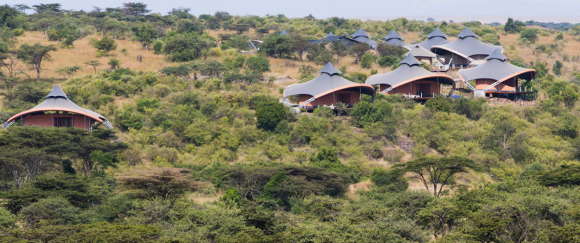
x=467 y=46
x=419 y=51
x=330 y=80
x=496 y=68
x=57 y=100
x=409 y=70
x=393 y=38
x=436 y=37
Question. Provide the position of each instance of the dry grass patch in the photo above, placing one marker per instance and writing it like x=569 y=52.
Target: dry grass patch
x=83 y=52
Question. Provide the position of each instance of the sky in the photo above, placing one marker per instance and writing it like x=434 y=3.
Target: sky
x=458 y=10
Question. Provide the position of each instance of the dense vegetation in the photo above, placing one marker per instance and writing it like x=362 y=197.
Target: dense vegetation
x=202 y=151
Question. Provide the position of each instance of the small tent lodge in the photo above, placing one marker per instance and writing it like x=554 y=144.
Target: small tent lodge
x=329 y=38
x=330 y=88
x=393 y=38
x=411 y=79
x=436 y=37
x=465 y=51
x=421 y=54
x=497 y=77
x=361 y=37
x=57 y=110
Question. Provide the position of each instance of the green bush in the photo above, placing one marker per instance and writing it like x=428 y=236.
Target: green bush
x=7 y=219
x=389 y=180
x=105 y=44
x=270 y=114
x=529 y=35
x=50 y=211
x=281 y=184
x=367 y=60
x=388 y=61
x=185 y=47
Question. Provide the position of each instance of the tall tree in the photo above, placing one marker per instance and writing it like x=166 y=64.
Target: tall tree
x=135 y=9
x=146 y=34
x=437 y=173
x=35 y=55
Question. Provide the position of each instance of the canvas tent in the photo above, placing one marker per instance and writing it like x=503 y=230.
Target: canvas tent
x=436 y=37
x=330 y=37
x=497 y=75
x=410 y=79
x=393 y=38
x=360 y=37
x=465 y=50
x=329 y=88
x=57 y=110
x=421 y=54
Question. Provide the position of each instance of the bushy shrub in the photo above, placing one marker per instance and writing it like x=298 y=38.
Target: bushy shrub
x=281 y=184
x=7 y=219
x=389 y=180
x=388 y=61
x=160 y=182
x=105 y=44
x=365 y=112
x=258 y=64
x=50 y=211
x=367 y=60
x=185 y=47
x=270 y=114
x=529 y=35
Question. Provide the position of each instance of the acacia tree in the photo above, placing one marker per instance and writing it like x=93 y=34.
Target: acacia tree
x=35 y=55
x=94 y=64
x=358 y=50
x=437 y=172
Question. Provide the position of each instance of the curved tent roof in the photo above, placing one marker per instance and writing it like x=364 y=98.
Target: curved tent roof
x=466 y=46
x=57 y=100
x=496 y=68
x=393 y=38
x=361 y=36
x=436 y=37
x=360 y=33
x=330 y=80
x=419 y=51
x=330 y=37
x=409 y=70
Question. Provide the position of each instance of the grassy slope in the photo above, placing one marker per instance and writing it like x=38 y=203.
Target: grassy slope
x=283 y=70
x=83 y=52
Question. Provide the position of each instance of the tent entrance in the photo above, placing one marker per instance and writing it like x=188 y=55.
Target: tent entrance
x=343 y=98
x=63 y=122
x=423 y=90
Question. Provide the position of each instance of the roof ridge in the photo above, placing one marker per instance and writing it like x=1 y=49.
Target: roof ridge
x=330 y=70
x=55 y=93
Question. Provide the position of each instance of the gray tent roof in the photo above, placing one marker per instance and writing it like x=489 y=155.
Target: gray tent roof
x=393 y=38
x=330 y=37
x=360 y=33
x=496 y=68
x=361 y=36
x=436 y=37
x=437 y=33
x=466 y=46
x=409 y=70
x=465 y=33
x=420 y=51
x=496 y=54
x=330 y=80
x=57 y=100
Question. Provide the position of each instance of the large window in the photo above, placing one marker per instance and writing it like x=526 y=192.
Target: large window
x=63 y=122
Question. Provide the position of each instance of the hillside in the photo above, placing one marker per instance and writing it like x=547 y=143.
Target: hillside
x=201 y=149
